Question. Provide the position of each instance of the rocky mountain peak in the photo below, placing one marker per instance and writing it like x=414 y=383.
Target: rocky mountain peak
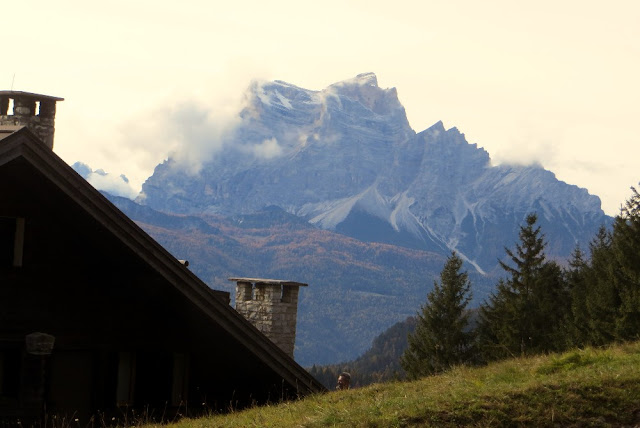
x=363 y=79
x=346 y=159
x=364 y=89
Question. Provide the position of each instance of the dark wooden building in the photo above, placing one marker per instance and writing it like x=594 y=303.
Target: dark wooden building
x=97 y=316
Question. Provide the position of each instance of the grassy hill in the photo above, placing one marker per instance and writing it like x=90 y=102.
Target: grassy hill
x=592 y=387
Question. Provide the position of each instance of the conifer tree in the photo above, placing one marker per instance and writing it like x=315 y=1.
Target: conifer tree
x=606 y=291
x=498 y=324
x=626 y=276
x=601 y=296
x=576 y=277
x=442 y=338
x=529 y=311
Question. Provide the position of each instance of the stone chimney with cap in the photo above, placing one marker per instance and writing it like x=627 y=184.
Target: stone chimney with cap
x=35 y=111
x=271 y=305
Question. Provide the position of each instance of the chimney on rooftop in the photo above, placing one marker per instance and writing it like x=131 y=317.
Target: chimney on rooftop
x=271 y=305
x=35 y=111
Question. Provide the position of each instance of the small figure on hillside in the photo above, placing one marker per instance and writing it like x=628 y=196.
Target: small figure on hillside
x=343 y=381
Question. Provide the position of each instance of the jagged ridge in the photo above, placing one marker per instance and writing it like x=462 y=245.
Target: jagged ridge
x=346 y=159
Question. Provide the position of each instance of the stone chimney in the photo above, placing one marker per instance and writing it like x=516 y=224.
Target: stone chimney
x=36 y=112
x=272 y=306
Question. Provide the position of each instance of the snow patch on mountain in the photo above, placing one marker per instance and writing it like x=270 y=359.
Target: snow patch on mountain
x=328 y=214
x=349 y=149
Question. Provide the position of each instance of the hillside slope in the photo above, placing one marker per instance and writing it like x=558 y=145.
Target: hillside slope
x=380 y=363
x=591 y=387
x=356 y=289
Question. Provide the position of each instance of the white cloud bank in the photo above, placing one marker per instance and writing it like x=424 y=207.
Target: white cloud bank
x=117 y=185
x=565 y=72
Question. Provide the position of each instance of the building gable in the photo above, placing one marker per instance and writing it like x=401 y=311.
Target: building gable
x=109 y=294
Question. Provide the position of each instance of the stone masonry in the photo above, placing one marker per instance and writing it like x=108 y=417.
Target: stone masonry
x=36 y=112
x=271 y=305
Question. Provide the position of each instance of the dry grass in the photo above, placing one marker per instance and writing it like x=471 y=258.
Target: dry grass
x=591 y=387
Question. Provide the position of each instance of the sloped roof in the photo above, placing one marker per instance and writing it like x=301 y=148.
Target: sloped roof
x=29 y=95
x=6 y=130
x=213 y=305
x=270 y=281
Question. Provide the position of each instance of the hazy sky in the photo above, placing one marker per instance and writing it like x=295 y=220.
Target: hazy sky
x=555 y=82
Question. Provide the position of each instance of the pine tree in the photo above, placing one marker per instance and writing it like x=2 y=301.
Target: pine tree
x=602 y=299
x=498 y=334
x=626 y=251
x=442 y=338
x=552 y=319
x=528 y=313
x=576 y=278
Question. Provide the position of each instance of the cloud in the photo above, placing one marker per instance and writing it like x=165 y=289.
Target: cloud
x=190 y=133
x=268 y=149
x=82 y=168
x=117 y=185
x=528 y=148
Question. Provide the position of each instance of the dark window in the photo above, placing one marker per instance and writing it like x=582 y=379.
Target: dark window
x=126 y=374
x=11 y=241
x=154 y=372
x=7 y=240
x=9 y=373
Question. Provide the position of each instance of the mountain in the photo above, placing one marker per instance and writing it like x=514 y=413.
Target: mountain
x=380 y=363
x=334 y=188
x=345 y=159
x=356 y=289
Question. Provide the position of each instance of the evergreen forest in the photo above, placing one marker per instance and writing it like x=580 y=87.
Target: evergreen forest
x=537 y=307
